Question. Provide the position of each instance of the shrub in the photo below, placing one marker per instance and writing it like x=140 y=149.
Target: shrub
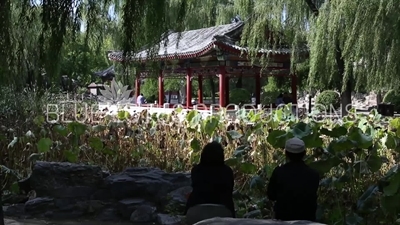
x=271 y=91
x=25 y=104
x=239 y=95
x=270 y=97
x=393 y=97
x=327 y=99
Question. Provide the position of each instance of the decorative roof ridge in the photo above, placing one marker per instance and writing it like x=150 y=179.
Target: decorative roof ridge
x=171 y=32
x=224 y=38
x=237 y=25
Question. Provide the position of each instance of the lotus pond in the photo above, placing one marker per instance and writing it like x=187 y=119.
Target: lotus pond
x=357 y=156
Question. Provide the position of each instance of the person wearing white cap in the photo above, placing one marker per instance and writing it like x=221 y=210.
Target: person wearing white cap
x=293 y=186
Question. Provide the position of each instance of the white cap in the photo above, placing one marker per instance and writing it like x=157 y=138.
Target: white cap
x=295 y=145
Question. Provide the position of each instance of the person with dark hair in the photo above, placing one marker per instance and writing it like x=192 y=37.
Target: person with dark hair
x=287 y=98
x=293 y=186
x=212 y=180
x=140 y=100
x=279 y=100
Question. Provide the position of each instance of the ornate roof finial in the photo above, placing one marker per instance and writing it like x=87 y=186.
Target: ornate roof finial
x=236 y=19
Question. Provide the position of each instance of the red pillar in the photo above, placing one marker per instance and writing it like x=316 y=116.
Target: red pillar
x=160 y=89
x=226 y=89
x=188 y=88
x=200 y=91
x=294 y=88
x=258 y=88
x=137 y=86
x=222 y=86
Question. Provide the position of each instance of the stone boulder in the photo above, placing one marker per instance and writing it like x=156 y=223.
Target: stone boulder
x=149 y=183
x=65 y=180
x=127 y=206
x=144 y=214
x=176 y=199
x=233 y=221
x=67 y=190
x=165 y=219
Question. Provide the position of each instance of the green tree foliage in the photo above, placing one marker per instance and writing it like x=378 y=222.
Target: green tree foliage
x=150 y=89
x=348 y=47
x=393 y=97
x=274 y=87
x=363 y=32
x=173 y=84
x=239 y=95
x=80 y=60
x=328 y=100
x=35 y=35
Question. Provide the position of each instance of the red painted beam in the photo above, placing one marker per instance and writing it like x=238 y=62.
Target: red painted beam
x=189 y=88
x=160 y=89
x=222 y=86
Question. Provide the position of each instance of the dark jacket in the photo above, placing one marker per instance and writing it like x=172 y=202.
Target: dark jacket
x=287 y=99
x=212 y=184
x=294 y=187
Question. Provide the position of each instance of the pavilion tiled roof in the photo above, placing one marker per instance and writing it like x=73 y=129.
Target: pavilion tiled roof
x=191 y=44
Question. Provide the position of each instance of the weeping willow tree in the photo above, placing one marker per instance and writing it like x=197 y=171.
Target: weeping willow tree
x=367 y=33
x=350 y=42
x=355 y=45
x=33 y=33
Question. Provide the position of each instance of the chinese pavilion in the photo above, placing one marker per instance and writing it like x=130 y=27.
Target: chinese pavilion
x=106 y=75
x=211 y=51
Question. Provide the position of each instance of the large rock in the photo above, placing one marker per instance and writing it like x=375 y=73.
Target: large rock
x=176 y=199
x=232 y=221
x=165 y=219
x=39 y=205
x=66 y=190
x=144 y=214
x=127 y=206
x=16 y=210
x=204 y=211
x=65 y=180
x=149 y=183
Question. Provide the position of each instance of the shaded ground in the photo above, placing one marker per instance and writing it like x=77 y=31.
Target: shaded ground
x=47 y=222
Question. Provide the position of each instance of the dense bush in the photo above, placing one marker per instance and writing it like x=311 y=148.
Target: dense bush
x=239 y=95
x=393 y=97
x=25 y=105
x=328 y=100
x=271 y=91
x=357 y=160
x=269 y=97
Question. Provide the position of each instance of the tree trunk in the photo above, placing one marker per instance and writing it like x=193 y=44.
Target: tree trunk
x=212 y=86
x=169 y=97
x=379 y=97
x=5 y=36
x=346 y=99
x=345 y=94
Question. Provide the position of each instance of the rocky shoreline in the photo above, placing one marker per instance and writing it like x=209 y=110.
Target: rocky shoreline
x=66 y=191
x=62 y=191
